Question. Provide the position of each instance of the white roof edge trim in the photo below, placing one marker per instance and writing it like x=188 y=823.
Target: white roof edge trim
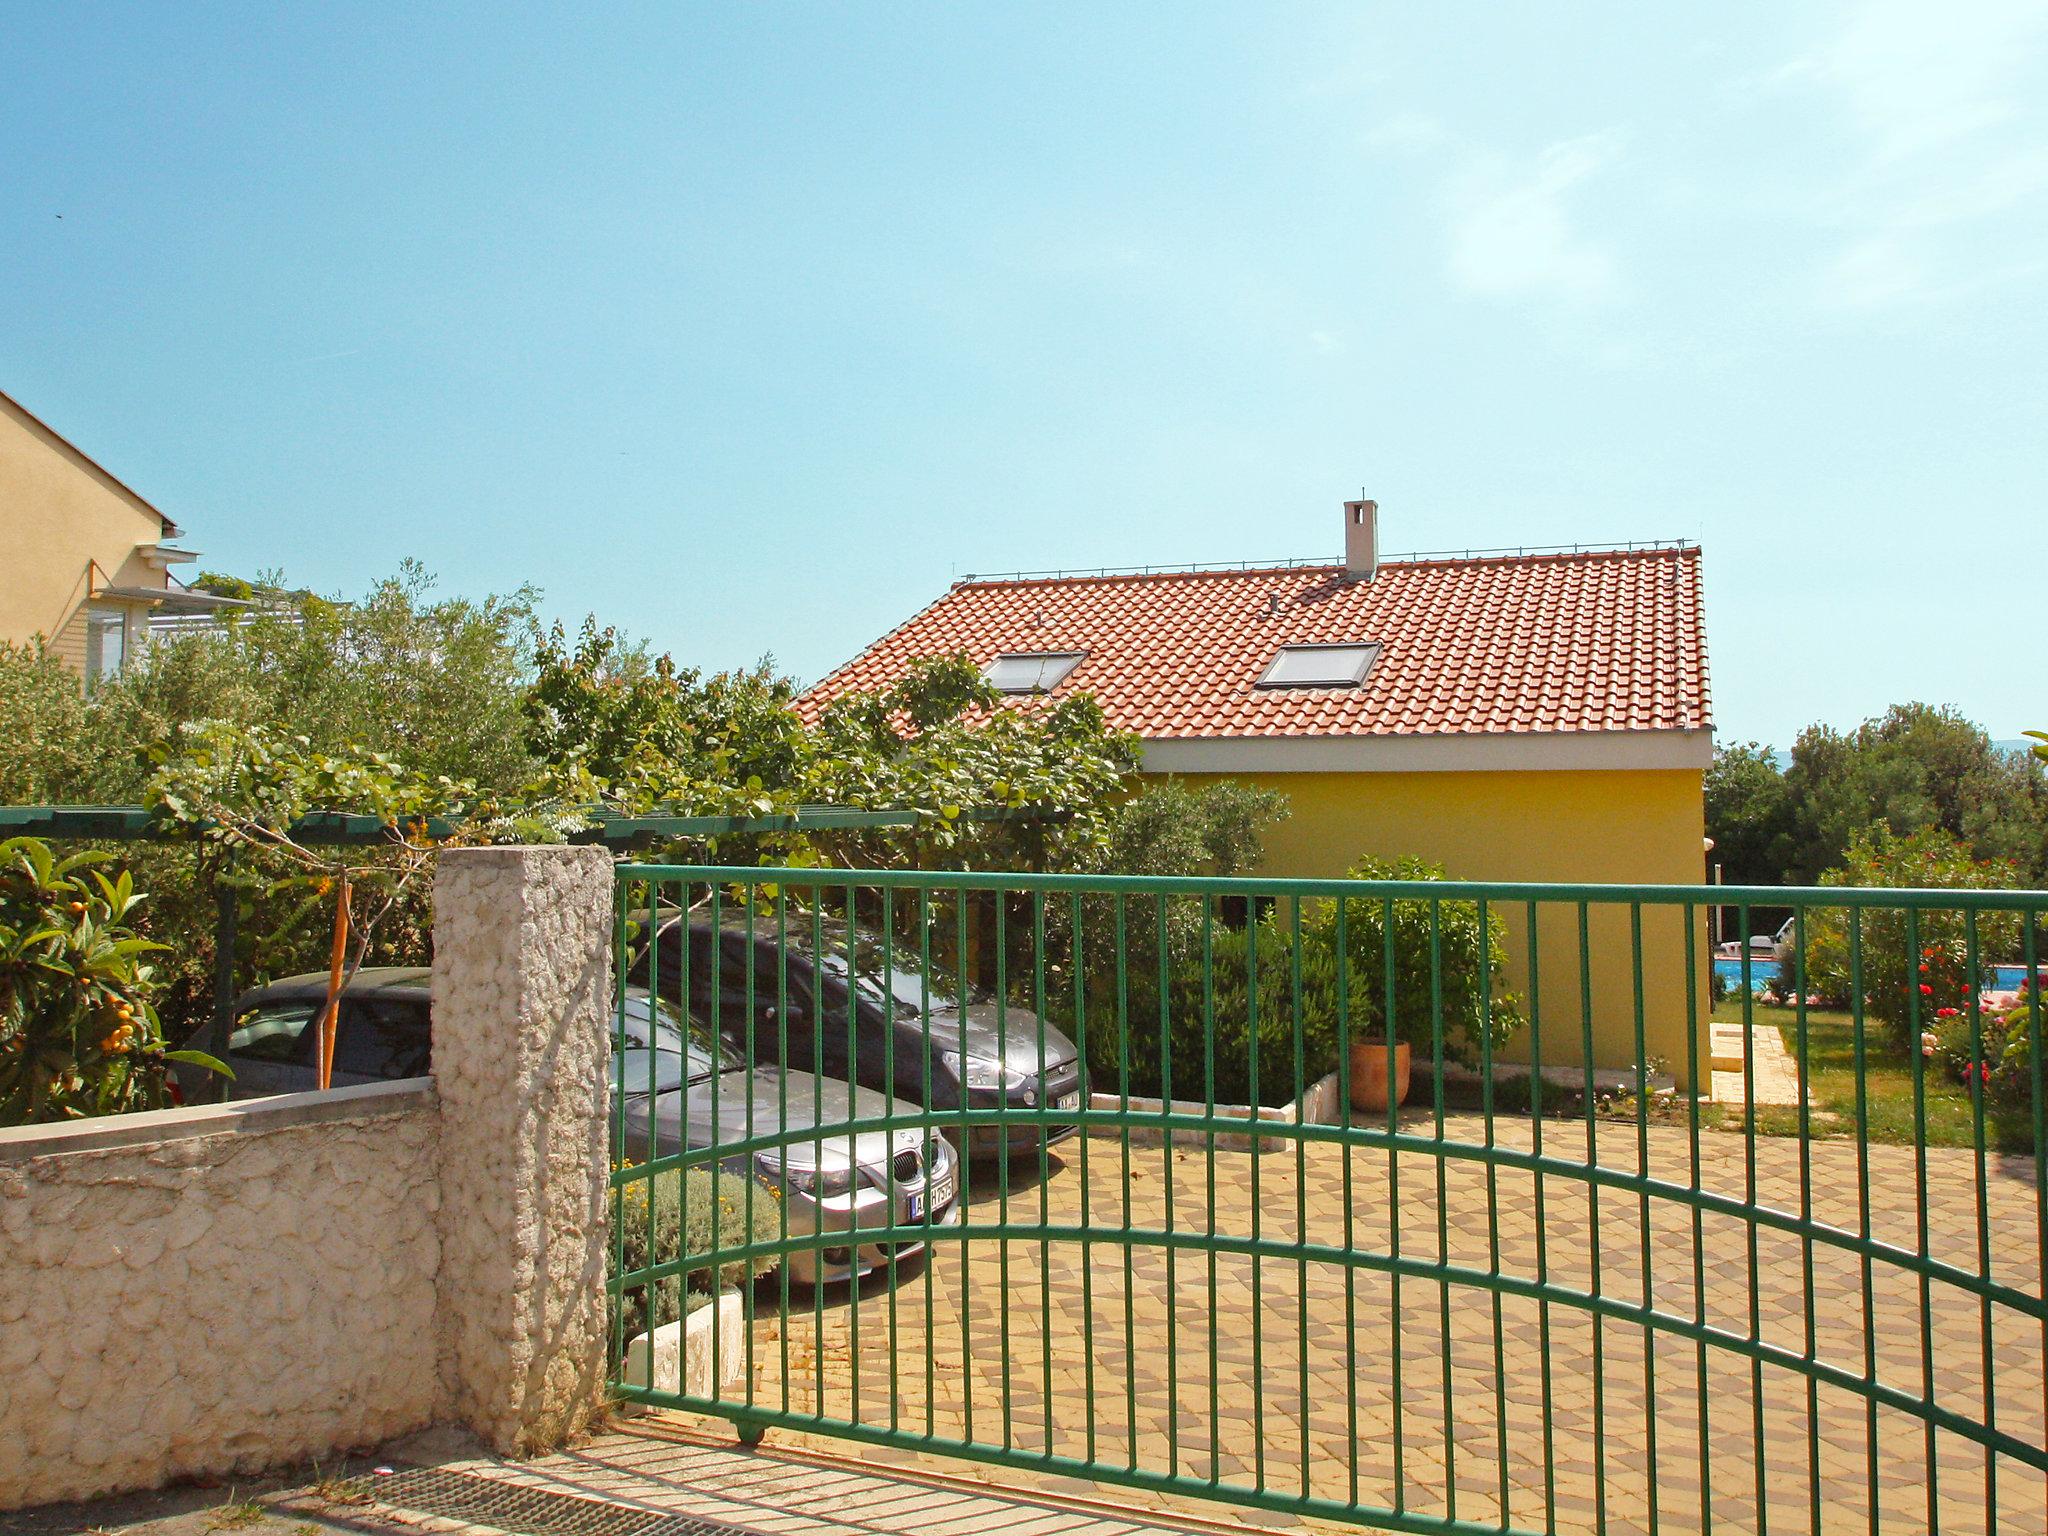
x=1492 y=752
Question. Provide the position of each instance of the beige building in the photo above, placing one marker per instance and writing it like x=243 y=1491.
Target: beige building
x=88 y=561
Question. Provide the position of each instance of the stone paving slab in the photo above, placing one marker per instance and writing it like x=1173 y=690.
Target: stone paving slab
x=1773 y=1072
x=1340 y=1380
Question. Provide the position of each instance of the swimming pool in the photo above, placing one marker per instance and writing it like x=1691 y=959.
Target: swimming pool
x=1763 y=974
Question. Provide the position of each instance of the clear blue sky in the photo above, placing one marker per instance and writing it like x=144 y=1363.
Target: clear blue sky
x=751 y=327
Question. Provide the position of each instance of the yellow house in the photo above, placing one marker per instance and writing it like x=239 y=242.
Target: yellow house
x=88 y=560
x=1516 y=716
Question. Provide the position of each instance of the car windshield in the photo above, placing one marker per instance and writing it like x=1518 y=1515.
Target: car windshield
x=645 y=1071
x=901 y=983
x=648 y=1021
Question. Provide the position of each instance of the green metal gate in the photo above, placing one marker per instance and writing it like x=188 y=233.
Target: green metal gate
x=1669 y=1236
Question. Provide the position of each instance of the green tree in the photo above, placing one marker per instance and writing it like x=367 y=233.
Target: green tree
x=1750 y=814
x=941 y=740
x=434 y=683
x=1916 y=768
x=662 y=735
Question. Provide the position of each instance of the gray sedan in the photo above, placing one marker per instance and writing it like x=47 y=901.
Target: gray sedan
x=680 y=1090
x=671 y=1080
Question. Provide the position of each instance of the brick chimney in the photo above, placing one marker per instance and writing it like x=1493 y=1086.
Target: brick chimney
x=1361 y=540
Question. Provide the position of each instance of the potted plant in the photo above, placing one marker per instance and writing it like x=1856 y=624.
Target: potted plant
x=1475 y=998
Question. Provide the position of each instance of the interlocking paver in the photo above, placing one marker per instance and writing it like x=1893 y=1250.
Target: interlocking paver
x=1139 y=1328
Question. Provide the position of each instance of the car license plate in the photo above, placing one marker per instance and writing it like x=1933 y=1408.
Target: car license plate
x=1068 y=1100
x=940 y=1191
x=913 y=1207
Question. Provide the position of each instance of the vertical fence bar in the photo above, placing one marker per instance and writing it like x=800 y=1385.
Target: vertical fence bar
x=926 y=1045
x=1592 y=1112
x=1087 y=1217
x=753 y=895
x=961 y=949
x=1802 y=1034
x=1862 y=1063
x=1209 y=1163
x=1493 y=1269
x=680 y=1175
x=1251 y=977
x=1393 y=1016
x=1043 y=1150
x=1344 y=1091
x=617 y=1137
x=2037 y=1094
x=1699 y=1240
x=817 y=1243
x=1925 y=1236
x=1538 y=1093
x=1002 y=941
x=1166 y=1099
x=1300 y=1189
x=1443 y=1199
x=1650 y=1417
x=1038 y=1003
x=1979 y=1088
x=717 y=1120
x=782 y=1145
x=850 y=942
x=1123 y=1075
x=1749 y=1200
x=886 y=899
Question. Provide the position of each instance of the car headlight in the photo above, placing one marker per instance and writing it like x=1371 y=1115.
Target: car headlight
x=980 y=1072
x=817 y=1183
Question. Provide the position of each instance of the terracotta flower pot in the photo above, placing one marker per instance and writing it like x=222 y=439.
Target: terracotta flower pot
x=1369 y=1074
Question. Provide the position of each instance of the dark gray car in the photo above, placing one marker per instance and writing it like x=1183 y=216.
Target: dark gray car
x=885 y=1027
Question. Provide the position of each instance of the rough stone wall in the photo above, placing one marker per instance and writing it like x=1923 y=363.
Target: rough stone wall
x=253 y=1284
x=522 y=992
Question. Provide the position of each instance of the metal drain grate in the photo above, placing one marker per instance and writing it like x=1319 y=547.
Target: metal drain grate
x=528 y=1511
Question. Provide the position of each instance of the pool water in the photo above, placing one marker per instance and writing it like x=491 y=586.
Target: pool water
x=1763 y=975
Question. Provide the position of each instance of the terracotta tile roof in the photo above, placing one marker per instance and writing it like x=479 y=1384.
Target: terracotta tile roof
x=1608 y=640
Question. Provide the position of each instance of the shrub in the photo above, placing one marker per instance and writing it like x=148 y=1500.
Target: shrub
x=48 y=744
x=1441 y=958
x=683 y=1220
x=79 y=1033
x=1999 y=1057
x=1208 y=1012
x=1226 y=999
x=1917 y=973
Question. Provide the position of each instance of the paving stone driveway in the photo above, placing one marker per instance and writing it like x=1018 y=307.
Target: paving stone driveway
x=1352 y=1385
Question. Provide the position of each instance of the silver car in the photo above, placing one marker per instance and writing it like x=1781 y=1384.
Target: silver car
x=676 y=1088
x=668 y=1074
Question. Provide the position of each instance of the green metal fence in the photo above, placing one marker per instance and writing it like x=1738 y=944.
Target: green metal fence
x=1664 y=1239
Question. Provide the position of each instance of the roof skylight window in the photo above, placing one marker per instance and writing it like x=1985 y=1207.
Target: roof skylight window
x=1031 y=671
x=1321 y=666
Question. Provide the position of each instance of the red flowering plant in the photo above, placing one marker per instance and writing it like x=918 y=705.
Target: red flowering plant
x=1992 y=1053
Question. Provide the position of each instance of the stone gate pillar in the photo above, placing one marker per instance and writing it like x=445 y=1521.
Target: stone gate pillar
x=522 y=1046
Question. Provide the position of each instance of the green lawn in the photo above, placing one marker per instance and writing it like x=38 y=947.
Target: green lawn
x=1888 y=1098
